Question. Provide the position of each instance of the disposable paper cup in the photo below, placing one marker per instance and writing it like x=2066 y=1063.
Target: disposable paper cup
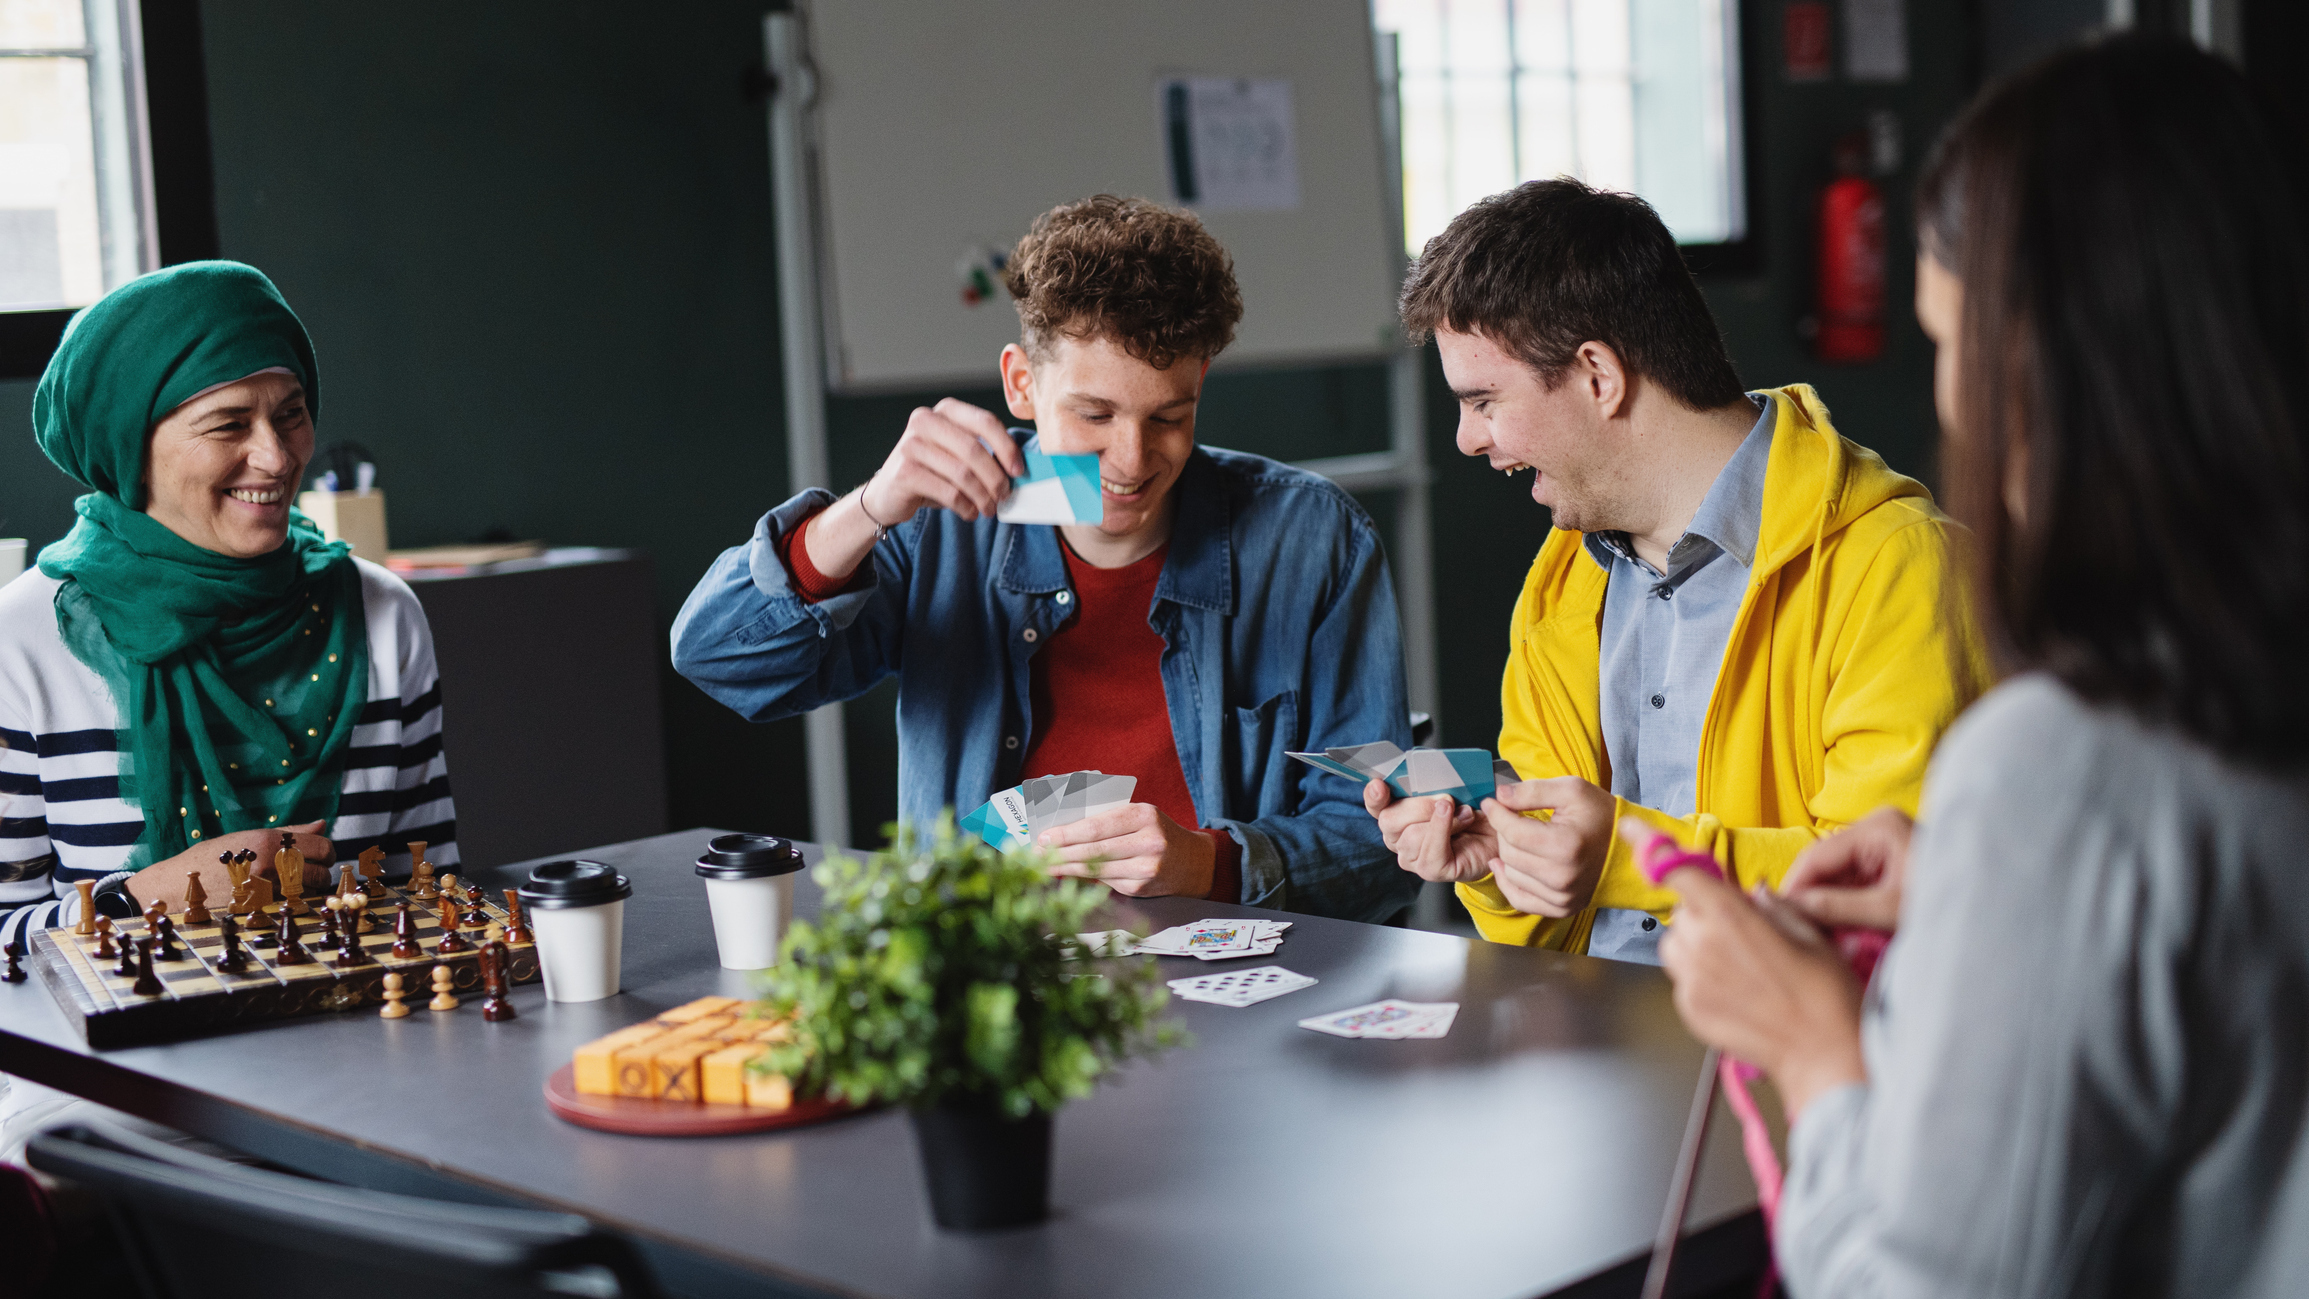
x=750 y=890
x=11 y=559
x=577 y=911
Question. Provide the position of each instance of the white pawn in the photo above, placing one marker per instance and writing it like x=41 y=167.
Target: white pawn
x=443 y=998
x=393 y=1009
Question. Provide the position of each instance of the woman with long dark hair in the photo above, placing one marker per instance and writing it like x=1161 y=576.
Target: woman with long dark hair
x=2083 y=1067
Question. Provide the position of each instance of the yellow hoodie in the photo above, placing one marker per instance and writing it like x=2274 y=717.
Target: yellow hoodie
x=1850 y=654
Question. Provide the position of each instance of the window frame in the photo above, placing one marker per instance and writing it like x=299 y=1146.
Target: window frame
x=183 y=194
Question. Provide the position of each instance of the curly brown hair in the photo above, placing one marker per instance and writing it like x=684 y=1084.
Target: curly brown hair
x=1148 y=276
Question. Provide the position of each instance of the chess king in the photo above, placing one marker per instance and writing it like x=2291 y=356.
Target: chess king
x=1223 y=609
x=194 y=638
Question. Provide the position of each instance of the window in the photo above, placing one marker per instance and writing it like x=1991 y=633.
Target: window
x=1634 y=95
x=75 y=177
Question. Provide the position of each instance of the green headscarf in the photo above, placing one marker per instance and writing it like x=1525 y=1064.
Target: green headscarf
x=239 y=681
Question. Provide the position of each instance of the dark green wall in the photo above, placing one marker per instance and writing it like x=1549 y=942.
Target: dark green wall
x=533 y=244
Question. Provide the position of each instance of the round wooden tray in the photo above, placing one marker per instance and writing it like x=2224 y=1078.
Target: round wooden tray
x=647 y=1118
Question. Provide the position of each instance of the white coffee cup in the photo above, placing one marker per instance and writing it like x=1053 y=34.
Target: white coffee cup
x=577 y=911
x=12 y=551
x=750 y=891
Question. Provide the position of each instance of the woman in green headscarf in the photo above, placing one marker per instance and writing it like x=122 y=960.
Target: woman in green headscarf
x=194 y=671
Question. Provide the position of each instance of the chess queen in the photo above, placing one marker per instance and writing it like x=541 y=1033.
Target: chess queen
x=255 y=674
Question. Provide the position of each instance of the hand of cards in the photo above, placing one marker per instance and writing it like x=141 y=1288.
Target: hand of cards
x=1012 y=818
x=1388 y=1019
x=1216 y=940
x=1240 y=988
x=1468 y=775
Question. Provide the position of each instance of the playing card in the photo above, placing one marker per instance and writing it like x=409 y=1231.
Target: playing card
x=1056 y=489
x=1217 y=940
x=1240 y=988
x=1389 y=1019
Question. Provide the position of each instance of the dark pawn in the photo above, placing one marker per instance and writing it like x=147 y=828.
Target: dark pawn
x=15 y=972
x=232 y=958
x=451 y=942
x=405 y=946
x=329 y=940
x=292 y=951
x=127 y=967
x=147 y=984
x=494 y=1006
x=473 y=917
x=168 y=948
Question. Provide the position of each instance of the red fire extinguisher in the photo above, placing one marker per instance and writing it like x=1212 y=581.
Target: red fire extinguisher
x=1850 y=299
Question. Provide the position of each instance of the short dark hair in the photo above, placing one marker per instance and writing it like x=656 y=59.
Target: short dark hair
x=1146 y=275
x=1552 y=264
x=2126 y=219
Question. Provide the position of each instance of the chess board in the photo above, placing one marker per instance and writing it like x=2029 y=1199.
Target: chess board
x=198 y=998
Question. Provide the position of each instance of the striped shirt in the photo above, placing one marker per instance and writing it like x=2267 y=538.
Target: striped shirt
x=62 y=818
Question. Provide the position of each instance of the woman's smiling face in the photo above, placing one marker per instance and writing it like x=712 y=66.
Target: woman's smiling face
x=221 y=469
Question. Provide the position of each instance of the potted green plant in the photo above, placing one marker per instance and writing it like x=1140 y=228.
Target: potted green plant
x=947 y=977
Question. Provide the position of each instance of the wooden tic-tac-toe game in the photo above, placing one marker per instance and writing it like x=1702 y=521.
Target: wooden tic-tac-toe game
x=94 y=969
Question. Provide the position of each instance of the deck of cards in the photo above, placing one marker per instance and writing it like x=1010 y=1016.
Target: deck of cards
x=1240 y=988
x=1012 y=818
x=1216 y=940
x=1390 y=1019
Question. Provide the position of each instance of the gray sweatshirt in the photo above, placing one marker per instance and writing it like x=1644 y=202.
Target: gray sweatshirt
x=2088 y=1049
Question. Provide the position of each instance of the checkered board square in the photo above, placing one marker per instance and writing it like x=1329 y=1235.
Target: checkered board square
x=198 y=998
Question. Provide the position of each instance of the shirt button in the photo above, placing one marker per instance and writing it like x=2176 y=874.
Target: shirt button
x=1031 y=634
x=1659 y=701
x=1667 y=593
x=1009 y=741
x=1066 y=597
x=1650 y=924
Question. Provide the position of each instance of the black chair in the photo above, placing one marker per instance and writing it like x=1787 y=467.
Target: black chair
x=198 y=1227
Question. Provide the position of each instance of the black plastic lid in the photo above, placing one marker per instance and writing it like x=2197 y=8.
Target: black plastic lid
x=559 y=884
x=748 y=857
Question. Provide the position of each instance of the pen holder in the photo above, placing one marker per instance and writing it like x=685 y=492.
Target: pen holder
x=357 y=518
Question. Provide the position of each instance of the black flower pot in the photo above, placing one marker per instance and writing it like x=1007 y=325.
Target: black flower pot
x=984 y=1170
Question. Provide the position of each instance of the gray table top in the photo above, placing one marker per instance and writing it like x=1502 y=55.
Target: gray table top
x=1528 y=1149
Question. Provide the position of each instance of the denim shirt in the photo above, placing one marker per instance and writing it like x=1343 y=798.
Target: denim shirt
x=1662 y=646
x=1279 y=630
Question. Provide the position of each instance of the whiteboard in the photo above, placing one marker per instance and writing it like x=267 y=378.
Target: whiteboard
x=942 y=128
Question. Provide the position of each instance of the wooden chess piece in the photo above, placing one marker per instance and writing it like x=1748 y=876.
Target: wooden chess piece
x=446 y=887
x=348 y=883
x=328 y=915
x=87 y=924
x=443 y=983
x=127 y=967
x=104 y=949
x=421 y=874
x=494 y=1005
x=195 y=900
x=289 y=871
x=405 y=946
x=446 y=904
x=147 y=983
x=373 y=871
x=168 y=950
x=474 y=917
x=349 y=950
x=451 y=942
x=260 y=903
x=516 y=924
x=393 y=1009
x=239 y=875
x=15 y=971
x=292 y=952
x=232 y=958
x=153 y=913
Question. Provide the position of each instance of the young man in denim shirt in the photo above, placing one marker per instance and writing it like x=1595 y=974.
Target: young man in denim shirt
x=1225 y=610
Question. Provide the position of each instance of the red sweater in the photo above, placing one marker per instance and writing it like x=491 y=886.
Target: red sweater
x=1097 y=690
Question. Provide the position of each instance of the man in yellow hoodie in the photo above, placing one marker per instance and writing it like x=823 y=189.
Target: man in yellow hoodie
x=1741 y=629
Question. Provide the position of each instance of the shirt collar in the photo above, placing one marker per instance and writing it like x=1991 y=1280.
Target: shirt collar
x=1731 y=515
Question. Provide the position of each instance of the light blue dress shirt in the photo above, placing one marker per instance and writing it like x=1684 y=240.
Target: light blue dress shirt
x=1663 y=645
